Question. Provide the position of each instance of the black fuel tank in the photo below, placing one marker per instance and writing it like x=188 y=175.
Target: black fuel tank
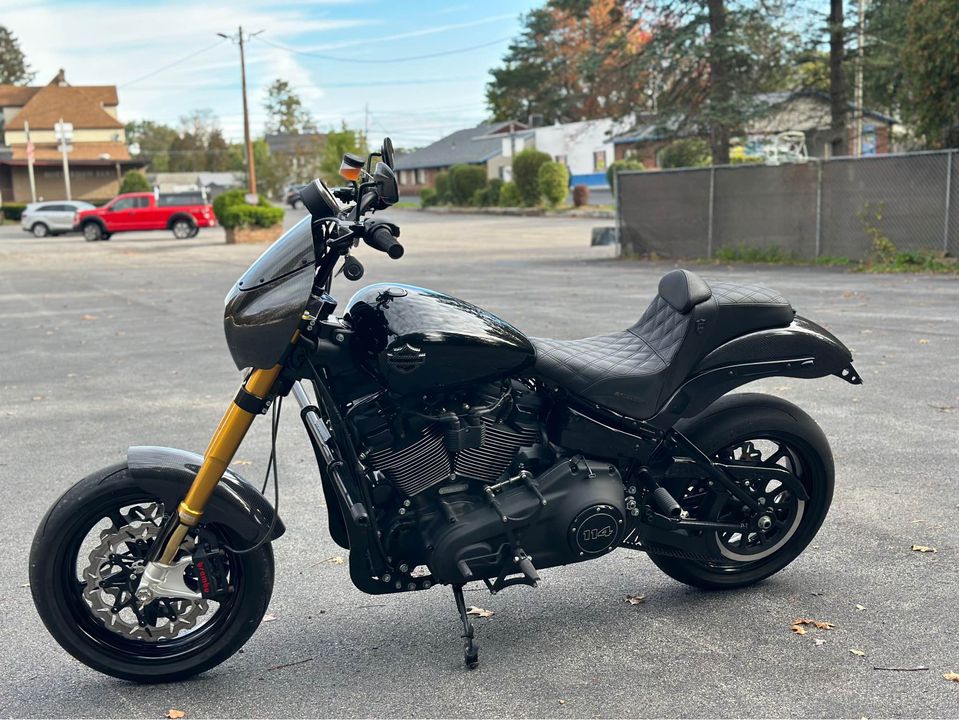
x=419 y=340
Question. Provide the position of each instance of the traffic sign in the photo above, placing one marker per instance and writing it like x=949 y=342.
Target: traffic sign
x=63 y=131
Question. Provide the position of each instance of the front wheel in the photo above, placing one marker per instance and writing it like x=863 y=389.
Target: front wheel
x=758 y=430
x=93 y=232
x=85 y=565
x=183 y=229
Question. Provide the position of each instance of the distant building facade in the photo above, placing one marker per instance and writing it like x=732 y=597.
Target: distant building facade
x=99 y=156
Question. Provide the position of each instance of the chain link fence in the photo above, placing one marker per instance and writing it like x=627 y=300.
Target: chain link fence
x=821 y=208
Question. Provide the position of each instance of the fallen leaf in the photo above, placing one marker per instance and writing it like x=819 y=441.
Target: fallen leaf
x=860 y=607
x=819 y=641
x=798 y=629
x=635 y=599
x=242 y=462
x=175 y=714
x=819 y=624
x=479 y=612
x=857 y=653
x=335 y=560
x=269 y=617
x=88 y=316
x=952 y=677
x=923 y=341
x=923 y=549
x=25 y=585
x=562 y=702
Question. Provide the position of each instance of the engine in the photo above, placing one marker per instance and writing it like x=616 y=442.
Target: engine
x=468 y=485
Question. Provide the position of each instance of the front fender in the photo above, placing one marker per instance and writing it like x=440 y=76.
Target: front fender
x=235 y=503
x=803 y=349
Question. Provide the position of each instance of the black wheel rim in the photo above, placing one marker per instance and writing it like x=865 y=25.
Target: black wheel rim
x=132 y=650
x=746 y=550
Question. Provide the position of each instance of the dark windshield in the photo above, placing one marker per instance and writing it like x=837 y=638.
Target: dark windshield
x=291 y=252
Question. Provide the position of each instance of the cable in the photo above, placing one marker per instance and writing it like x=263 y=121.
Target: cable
x=174 y=63
x=271 y=463
x=362 y=61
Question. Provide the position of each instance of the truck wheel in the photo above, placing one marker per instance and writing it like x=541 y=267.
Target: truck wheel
x=182 y=229
x=40 y=230
x=93 y=232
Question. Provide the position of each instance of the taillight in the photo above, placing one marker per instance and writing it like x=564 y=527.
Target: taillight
x=76 y=218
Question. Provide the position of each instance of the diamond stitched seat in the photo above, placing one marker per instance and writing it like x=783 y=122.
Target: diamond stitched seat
x=634 y=370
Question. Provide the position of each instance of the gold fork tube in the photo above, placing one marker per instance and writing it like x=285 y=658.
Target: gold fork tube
x=219 y=453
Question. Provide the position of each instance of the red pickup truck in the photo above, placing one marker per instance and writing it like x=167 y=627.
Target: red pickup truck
x=183 y=213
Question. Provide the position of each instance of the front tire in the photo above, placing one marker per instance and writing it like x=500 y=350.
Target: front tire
x=183 y=229
x=77 y=590
x=752 y=420
x=93 y=232
x=40 y=230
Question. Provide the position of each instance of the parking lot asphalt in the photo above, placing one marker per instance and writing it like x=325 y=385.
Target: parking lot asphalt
x=113 y=344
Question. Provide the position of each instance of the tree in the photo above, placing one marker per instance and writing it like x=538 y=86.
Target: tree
x=285 y=111
x=134 y=181
x=883 y=77
x=14 y=69
x=339 y=142
x=569 y=63
x=931 y=65
x=155 y=141
x=838 y=106
x=691 y=152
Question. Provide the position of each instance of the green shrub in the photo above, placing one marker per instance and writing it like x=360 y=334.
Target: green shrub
x=692 y=152
x=621 y=166
x=251 y=215
x=477 y=199
x=427 y=197
x=553 y=181
x=509 y=195
x=489 y=195
x=526 y=166
x=442 y=184
x=750 y=254
x=134 y=181
x=464 y=181
x=580 y=195
x=13 y=211
x=232 y=210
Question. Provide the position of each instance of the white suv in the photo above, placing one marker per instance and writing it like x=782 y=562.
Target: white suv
x=51 y=218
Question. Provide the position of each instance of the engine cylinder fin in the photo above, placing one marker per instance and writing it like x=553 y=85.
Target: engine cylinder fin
x=416 y=467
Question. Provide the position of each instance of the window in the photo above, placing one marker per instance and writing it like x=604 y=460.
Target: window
x=599 y=161
x=124 y=204
x=419 y=176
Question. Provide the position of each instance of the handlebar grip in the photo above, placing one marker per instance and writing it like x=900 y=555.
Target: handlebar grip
x=382 y=239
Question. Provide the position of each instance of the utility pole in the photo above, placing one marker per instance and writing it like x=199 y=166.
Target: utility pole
x=857 y=149
x=250 y=164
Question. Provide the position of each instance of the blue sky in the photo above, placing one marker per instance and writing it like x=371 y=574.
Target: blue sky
x=128 y=45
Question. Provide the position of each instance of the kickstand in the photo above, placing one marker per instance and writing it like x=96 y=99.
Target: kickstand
x=471 y=649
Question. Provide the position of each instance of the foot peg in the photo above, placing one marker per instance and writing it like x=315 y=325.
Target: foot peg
x=666 y=503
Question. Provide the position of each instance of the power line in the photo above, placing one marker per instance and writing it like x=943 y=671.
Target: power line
x=362 y=61
x=173 y=64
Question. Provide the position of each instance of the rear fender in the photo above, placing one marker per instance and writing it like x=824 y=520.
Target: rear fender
x=803 y=350
x=235 y=503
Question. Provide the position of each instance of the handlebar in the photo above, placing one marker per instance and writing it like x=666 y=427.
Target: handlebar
x=382 y=239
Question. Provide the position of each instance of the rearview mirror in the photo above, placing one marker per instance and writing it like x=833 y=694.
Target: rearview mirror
x=387 y=188
x=387 y=152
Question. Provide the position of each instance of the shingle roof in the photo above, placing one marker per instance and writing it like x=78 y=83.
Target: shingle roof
x=82 y=106
x=16 y=95
x=462 y=146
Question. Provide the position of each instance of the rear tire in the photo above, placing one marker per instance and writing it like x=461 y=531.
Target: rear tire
x=753 y=416
x=183 y=229
x=60 y=552
x=40 y=230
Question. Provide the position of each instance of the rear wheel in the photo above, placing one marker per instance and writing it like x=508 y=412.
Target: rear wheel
x=183 y=229
x=760 y=430
x=85 y=565
x=93 y=232
x=40 y=230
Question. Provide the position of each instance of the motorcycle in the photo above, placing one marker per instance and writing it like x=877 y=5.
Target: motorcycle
x=451 y=449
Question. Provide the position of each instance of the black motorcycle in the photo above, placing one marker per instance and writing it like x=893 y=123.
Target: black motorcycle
x=451 y=449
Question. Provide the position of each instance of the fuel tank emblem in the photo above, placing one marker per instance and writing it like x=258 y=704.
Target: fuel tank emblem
x=405 y=358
